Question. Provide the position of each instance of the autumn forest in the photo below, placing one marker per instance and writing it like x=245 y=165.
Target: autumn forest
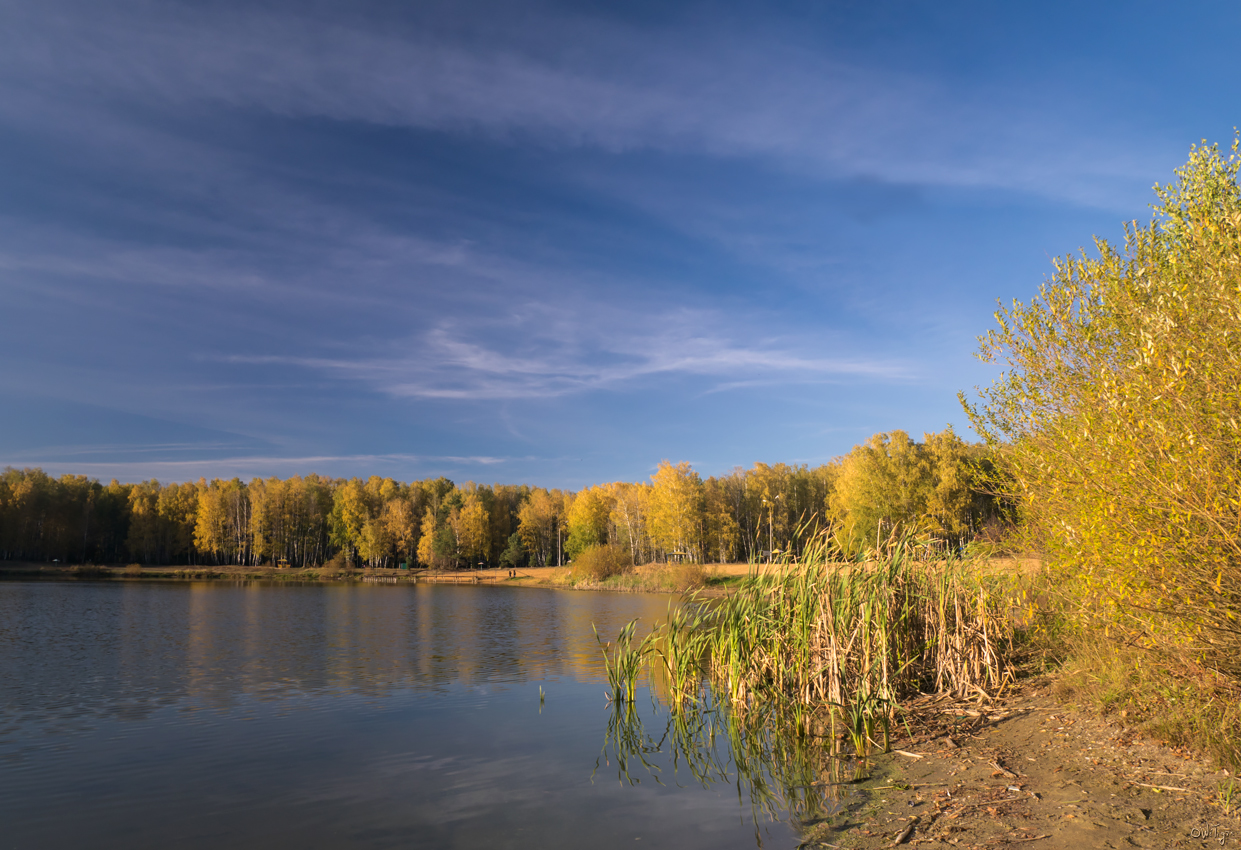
x=888 y=482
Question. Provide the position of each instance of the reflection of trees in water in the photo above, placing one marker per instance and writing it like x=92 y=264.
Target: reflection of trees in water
x=85 y=651
x=803 y=777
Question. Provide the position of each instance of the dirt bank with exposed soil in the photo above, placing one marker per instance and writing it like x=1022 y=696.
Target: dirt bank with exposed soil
x=1032 y=771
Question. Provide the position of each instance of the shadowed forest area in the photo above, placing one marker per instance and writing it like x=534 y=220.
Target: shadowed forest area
x=889 y=482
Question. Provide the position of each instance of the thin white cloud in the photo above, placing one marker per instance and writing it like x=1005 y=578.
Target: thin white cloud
x=33 y=254
x=569 y=358
x=244 y=466
x=128 y=449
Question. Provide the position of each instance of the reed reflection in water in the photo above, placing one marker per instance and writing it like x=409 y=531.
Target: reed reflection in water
x=779 y=772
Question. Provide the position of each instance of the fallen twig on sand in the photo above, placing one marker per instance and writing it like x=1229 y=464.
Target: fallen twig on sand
x=1165 y=788
x=906 y=833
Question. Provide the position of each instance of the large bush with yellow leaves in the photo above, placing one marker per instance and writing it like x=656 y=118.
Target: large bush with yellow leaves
x=1118 y=420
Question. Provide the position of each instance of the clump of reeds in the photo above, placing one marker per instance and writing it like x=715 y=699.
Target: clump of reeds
x=681 y=645
x=847 y=640
x=860 y=636
x=623 y=662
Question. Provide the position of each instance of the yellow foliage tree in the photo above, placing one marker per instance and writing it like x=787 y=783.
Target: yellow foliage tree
x=676 y=510
x=471 y=525
x=721 y=530
x=429 y=554
x=883 y=485
x=400 y=523
x=630 y=503
x=587 y=520
x=223 y=527
x=537 y=525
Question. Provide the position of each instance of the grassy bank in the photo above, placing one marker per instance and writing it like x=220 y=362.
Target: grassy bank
x=648 y=578
x=1152 y=683
x=199 y=573
x=655 y=578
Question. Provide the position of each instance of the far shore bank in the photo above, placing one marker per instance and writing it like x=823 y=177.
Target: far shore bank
x=646 y=578
x=654 y=578
x=672 y=578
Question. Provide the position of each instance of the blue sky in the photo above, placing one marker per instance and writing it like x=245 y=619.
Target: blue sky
x=551 y=243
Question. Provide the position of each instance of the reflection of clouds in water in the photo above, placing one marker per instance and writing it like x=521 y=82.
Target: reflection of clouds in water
x=496 y=776
x=448 y=791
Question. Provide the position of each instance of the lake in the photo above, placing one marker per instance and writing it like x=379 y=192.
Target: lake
x=213 y=714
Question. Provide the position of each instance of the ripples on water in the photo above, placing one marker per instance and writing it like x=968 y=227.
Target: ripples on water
x=249 y=715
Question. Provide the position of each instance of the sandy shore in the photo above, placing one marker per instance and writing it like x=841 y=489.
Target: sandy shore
x=1031 y=770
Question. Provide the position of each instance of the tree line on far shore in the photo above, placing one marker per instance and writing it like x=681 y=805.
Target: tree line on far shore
x=889 y=482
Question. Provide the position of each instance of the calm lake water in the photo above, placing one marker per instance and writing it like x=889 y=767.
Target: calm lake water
x=142 y=714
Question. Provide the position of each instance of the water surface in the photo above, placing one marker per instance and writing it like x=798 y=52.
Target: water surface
x=213 y=714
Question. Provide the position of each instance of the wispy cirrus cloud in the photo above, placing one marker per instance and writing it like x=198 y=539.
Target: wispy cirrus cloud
x=446 y=364
x=247 y=466
x=573 y=82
